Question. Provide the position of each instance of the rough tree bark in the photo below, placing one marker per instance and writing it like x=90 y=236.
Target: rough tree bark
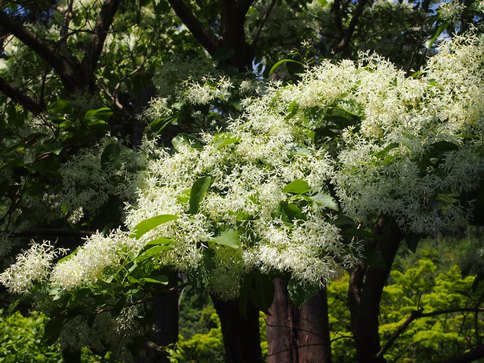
x=365 y=291
x=298 y=335
x=240 y=331
x=164 y=311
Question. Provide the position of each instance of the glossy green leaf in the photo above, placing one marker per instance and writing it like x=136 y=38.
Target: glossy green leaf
x=291 y=212
x=198 y=192
x=148 y=224
x=229 y=238
x=281 y=62
x=222 y=140
x=152 y=252
x=163 y=280
x=298 y=186
x=100 y=115
x=163 y=241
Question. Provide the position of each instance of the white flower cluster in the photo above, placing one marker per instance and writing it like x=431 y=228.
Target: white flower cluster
x=32 y=266
x=88 y=183
x=208 y=89
x=88 y=263
x=451 y=11
x=402 y=146
x=250 y=164
x=420 y=140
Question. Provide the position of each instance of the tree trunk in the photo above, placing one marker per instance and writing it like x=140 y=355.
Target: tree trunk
x=71 y=355
x=165 y=325
x=365 y=290
x=298 y=335
x=240 y=332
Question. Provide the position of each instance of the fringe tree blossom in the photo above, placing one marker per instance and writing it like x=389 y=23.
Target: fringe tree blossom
x=362 y=133
x=88 y=181
x=32 y=266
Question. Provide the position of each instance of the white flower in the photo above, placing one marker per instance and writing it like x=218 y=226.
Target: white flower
x=31 y=266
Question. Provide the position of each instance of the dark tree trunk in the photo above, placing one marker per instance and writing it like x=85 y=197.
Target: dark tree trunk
x=240 y=331
x=365 y=290
x=233 y=19
x=298 y=335
x=71 y=355
x=165 y=325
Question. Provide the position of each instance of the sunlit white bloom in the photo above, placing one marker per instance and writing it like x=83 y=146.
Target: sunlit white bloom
x=399 y=146
x=451 y=10
x=201 y=93
x=31 y=266
x=88 y=263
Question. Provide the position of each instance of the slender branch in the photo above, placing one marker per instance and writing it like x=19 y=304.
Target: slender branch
x=64 y=32
x=186 y=15
x=416 y=314
x=52 y=232
x=62 y=65
x=468 y=357
x=263 y=22
x=20 y=97
x=98 y=37
x=338 y=18
x=348 y=33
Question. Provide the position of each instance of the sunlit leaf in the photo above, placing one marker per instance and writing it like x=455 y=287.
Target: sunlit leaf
x=148 y=224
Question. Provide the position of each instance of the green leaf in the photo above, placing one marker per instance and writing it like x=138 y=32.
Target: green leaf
x=53 y=329
x=356 y=232
x=98 y=116
x=148 y=224
x=160 y=241
x=281 y=62
x=152 y=252
x=291 y=212
x=439 y=31
x=325 y=200
x=343 y=221
x=198 y=192
x=298 y=186
x=383 y=153
x=222 y=140
x=61 y=107
x=229 y=238
x=163 y=280
x=160 y=123
x=292 y=110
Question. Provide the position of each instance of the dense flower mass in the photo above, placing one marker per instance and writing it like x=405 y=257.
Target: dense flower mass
x=31 y=266
x=358 y=139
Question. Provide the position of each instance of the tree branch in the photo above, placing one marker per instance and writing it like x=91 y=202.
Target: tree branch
x=348 y=33
x=186 y=15
x=416 y=314
x=96 y=43
x=468 y=357
x=263 y=22
x=21 y=98
x=52 y=232
x=64 y=67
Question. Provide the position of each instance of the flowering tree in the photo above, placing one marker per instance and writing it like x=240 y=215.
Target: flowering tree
x=282 y=187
